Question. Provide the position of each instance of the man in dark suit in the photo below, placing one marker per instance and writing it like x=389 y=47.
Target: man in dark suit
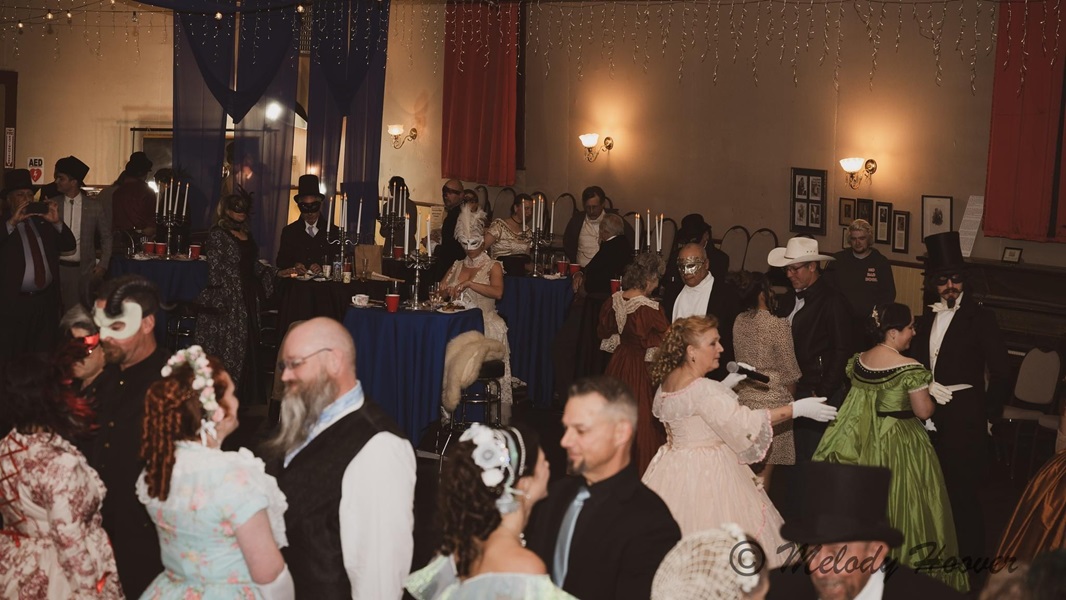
x=611 y=259
x=303 y=244
x=601 y=532
x=89 y=220
x=581 y=238
x=959 y=341
x=30 y=244
x=449 y=250
x=844 y=538
x=704 y=294
x=694 y=230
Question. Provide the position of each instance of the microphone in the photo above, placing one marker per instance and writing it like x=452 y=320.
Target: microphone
x=733 y=367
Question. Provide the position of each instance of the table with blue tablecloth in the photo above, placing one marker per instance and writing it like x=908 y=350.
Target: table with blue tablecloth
x=178 y=281
x=534 y=309
x=400 y=359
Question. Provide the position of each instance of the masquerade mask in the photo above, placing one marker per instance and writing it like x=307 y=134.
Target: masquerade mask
x=130 y=318
x=309 y=207
x=954 y=278
x=472 y=243
x=91 y=342
x=689 y=266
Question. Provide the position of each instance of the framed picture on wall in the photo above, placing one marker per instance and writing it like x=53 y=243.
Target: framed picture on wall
x=936 y=215
x=882 y=222
x=844 y=241
x=1012 y=255
x=847 y=211
x=864 y=209
x=808 y=201
x=901 y=231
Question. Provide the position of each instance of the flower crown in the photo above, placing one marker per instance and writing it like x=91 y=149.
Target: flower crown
x=203 y=380
x=746 y=581
x=501 y=454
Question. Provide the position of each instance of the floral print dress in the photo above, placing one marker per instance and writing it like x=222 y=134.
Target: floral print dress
x=212 y=493
x=53 y=544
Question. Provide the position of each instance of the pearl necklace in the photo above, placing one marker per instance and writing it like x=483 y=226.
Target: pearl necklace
x=890 y=348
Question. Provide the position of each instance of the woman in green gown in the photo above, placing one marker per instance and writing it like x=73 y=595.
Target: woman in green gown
x=880 y=424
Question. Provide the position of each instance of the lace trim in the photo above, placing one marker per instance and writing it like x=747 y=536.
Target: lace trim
x=624 y=307
x=760 y=444
x=650 y=354
x=919 y=388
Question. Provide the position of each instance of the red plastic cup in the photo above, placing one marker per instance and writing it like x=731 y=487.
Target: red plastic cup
x=616 y=284
x=561 y=267
x=392 y=302
x=397 y=251
x=574 y=268
x=194 y=251
x=149 y=247
x=160 y=248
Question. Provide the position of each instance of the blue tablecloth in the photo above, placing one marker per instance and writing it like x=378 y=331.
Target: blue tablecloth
x=400 y=360
x=178 y=281
x=534 y=310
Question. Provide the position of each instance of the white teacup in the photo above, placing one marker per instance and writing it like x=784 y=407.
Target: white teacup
x=326 y=269
x=360 y=299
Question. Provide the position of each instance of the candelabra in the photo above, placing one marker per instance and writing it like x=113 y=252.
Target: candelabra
x=538 y=238
x=170 y=223
x=419 y=261
x=390 y=224
x=342 y=242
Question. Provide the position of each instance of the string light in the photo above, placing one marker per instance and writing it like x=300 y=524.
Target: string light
x=49 y=16
x=300 y=8
x=218 y=16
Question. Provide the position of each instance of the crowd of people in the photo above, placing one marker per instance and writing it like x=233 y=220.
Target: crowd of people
x=688 y=386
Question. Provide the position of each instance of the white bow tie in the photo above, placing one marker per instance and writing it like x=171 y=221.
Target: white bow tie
x=940 y=307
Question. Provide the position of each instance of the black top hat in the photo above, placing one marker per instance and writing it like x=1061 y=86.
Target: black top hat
x=944 y=254
x=308 y=187
x=842 y=503
x=73 y=168
x=17 y=179
x=139 y=164
x=692 y=229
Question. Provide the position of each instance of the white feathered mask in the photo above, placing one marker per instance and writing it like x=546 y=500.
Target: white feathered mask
x=470 y=228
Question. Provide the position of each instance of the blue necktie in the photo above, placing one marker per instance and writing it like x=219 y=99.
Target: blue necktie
x=566 y=535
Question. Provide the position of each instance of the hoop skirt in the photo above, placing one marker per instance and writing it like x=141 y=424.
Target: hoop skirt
x=701 y=472
x=918 y=502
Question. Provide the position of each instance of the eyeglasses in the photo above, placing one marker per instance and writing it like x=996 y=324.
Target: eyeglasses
x=448 y=190
x=954 y=278
x=793 y=268
x=295 y=363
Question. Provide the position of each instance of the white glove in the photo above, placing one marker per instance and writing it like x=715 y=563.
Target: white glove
x=279 y=589
x=929 y=425
x=746 y=366
x=941 y=394
x=731 y=380
x=814 y=408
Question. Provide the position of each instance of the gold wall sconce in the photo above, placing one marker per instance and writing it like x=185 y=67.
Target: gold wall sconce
x=590 y=142
x=858 y=169
x=398 y=138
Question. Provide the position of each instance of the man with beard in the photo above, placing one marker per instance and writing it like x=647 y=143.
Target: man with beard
x=346 y=469
x=303 y=244
x=125 y=313
x=601 y=532
x=449 y=250
x=959 y=341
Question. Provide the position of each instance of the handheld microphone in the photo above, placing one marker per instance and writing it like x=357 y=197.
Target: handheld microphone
x=733 y=367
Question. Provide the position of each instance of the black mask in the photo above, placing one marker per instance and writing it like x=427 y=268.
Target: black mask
x=309 y=207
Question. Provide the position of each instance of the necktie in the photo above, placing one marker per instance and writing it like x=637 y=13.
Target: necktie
x=561 y=561
x=35 y=253
x=311 y=230
x=800 y=295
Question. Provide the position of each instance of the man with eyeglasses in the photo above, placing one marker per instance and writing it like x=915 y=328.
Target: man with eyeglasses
x=347 y=472
x=449 y=250
x=863 y=275
x=959 y=341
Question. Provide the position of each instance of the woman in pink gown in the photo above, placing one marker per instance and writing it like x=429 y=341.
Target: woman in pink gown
x=702 y=471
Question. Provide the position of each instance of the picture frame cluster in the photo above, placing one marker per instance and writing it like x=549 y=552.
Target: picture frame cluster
x=808 y=201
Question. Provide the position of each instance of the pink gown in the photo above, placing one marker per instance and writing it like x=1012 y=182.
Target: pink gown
x=702 y=471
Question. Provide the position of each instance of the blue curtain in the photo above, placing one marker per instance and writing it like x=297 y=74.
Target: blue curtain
x=348 y=51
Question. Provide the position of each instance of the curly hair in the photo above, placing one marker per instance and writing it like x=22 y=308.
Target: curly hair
x=682 y=334
x=889 y=316
x=644 y=268
x=35 y=397
x=466 y=506
x=172 y=412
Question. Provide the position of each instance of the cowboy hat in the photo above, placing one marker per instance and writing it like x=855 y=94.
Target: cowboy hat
x=797 y=250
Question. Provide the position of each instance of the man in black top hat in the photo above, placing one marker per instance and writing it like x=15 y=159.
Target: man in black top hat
x=959 y=341
x=303 y=244
x=843 y=538
x=31 y=239
x=88 y=219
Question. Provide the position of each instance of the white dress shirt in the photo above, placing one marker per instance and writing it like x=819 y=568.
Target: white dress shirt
x=795 y=309
x=311 y=228
x=941 y=321
x=377 y=507
x=72 y=217
x=588 y=241
x=874 y=588
x=693 y=300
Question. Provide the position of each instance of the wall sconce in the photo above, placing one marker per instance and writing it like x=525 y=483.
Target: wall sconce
x=398 y=139
x=590 y=140
x=858 y=169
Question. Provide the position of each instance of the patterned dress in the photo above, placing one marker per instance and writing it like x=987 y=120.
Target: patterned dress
x=53 y=544
x=765 y=342
x=875 y=427
x=212 y=493
x=438 y=581
x=508 y=243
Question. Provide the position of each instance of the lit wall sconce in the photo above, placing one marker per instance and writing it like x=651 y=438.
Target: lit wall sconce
x=858 y=169
x=398 y=138
x=590 y=140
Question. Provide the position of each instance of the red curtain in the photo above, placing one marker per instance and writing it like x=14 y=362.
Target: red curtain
x=480 y=92
x=1025 y=157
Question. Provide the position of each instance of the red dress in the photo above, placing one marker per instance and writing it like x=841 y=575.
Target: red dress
x=632 y=327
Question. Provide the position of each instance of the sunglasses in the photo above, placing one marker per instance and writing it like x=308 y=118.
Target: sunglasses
x=448 y=190
x=953 y=278
x=91 y=342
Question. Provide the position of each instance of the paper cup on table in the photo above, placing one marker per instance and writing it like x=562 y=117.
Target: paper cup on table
x=397 y=251
x=149 y=247
x=160 y=249
x=616 y=284
x=326 y=270
x=574 y=268
x=347 y=277
x=562 y=267
x=360 y=299
x=392 y=302
x=194 y=251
